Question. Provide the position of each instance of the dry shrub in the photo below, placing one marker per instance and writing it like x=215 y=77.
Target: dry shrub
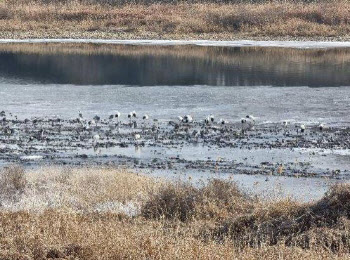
x=241 y=16
x=172 y=202
x=5 y=13
x=323 y=224
x=12 y=182
x=218 y=199
x=178 y=221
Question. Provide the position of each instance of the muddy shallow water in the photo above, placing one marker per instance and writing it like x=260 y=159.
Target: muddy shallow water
x=42 y=88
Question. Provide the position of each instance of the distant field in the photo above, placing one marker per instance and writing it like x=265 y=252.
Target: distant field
x=104 y=213
x=175 y=20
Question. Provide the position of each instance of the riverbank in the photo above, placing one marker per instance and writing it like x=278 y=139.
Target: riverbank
x=263 y=21
x=102 y=213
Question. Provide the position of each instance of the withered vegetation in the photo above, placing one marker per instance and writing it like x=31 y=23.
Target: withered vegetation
x=105 y=213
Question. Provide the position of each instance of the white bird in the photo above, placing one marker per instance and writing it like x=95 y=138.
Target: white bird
x=145 y=118
x=134 y=114
x=322 y=127
x=86 y=126
x=212 y=118
x=130 y=117
x=247 y=123
x=180 y=118
x=81 y=121
x=117 y=116
x=137 y=136
x=223 y=121
x=92 y=123
x=302 y=128
x=187 y=119
x=285 y=123
x=96 y=138
x=251 y=118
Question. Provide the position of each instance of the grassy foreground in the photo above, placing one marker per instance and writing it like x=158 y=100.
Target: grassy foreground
x=320 y=20
x=102 y=213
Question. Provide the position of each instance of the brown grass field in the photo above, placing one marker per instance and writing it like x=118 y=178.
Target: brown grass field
x=319 y=20
x=105 y=213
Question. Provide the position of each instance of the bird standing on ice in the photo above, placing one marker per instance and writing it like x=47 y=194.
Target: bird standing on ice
x=322 y=127
x=96 y=119
x=248 y=122
x=137 y=137
x=223 y=121
x=96 y=139
x=132 y=119
x=81 y=119
x=130 y=116
x=251 y=118
x=188 y=119
x=144 y=118
x=211 y=118
x=117 y=116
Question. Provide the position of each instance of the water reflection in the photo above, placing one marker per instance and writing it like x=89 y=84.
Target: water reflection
x=93 y=64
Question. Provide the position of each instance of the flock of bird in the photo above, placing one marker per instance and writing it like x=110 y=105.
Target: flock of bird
x=247 y=123
x=114 y=121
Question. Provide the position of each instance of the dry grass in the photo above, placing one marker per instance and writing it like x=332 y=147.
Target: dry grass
x=170 y=221
x=76 y=19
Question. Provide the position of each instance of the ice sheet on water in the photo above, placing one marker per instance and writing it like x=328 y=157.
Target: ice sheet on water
x=240 y=43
